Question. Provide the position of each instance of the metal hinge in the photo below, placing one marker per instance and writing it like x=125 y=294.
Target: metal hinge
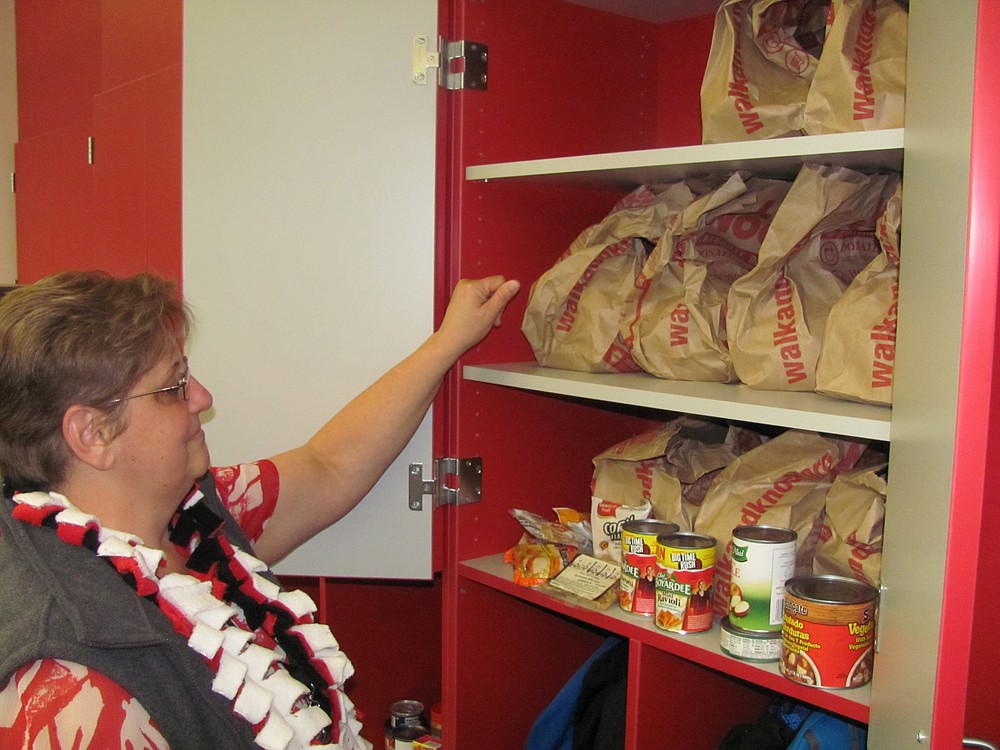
x=464 y=65
x=456 y=481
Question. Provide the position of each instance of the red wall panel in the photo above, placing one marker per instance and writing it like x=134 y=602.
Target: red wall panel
x=58 y=63
x=55 y=204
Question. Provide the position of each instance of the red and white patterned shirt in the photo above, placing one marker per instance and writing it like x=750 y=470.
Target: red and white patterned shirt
x=53 y=704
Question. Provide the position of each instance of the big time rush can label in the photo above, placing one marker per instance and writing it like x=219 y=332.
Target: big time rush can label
x=637 y=585
x=685 y=566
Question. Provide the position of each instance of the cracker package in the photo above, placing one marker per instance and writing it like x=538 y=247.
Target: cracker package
x=784 y=483
x=675 y=321
x=574 y=308
x=822 y=236
x=761 y=64
x=858 y=356
x=860 y=79
x=607 y=517
x=851 y=537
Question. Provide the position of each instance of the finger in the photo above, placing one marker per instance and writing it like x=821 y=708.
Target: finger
x=501 y=297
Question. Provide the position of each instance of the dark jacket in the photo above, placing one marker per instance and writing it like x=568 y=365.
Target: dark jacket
x=61 y=601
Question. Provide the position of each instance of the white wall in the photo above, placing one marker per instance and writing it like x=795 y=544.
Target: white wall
x=8 y=136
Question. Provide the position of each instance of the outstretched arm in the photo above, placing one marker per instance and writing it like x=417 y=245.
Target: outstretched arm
x=323 y=479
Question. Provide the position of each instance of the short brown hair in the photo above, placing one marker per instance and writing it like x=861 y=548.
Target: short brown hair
x=75 y=338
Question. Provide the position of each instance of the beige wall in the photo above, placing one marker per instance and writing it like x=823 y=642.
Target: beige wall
x=8 y=136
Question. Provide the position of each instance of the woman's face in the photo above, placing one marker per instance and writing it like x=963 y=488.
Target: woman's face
x=163 y=447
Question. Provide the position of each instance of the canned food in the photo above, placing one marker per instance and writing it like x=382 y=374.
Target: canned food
x=749 y=645
x=406 y=736
x=685 y=566
x=637 y=584
x=406 y=713
x=763 y=559
x=828 y=634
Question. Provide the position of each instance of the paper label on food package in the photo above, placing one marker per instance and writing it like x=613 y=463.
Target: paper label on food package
x=587 y=577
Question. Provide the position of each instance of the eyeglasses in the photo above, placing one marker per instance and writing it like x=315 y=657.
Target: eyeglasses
x=180 y=387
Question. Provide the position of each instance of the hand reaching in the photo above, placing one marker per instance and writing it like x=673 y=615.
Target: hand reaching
x=476 y=306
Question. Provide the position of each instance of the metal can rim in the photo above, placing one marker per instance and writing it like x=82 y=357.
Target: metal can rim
x=852 y=590
x=699 y=541
x=649 y=526
x=781 y=534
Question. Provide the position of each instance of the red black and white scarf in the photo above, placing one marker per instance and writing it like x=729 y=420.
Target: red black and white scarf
x=282 y=671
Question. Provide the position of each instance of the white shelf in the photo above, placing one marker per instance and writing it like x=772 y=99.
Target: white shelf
x=800 y=410
x=780 y=157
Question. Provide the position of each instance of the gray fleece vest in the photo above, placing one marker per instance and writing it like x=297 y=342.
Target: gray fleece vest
x=61 y=601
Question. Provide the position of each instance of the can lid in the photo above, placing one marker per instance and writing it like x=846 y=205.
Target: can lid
x=686 y=540
x=649 y=526
x=830 y=589
x=766 y=534
x=406 y=708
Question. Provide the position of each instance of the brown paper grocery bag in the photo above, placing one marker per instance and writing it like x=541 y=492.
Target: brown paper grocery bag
x=860 y=80
x=822 y=236
x=573 y=310
x=782 y=483
x=851 y=536
x=858 y=354
x=763 y=57
x=666 y=466
x=675 y=318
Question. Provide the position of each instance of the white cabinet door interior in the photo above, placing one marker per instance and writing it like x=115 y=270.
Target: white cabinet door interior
x=309 y=238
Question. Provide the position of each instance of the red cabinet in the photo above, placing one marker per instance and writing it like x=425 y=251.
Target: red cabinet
x=98 y=160
x=582 y=106
x=516 y=202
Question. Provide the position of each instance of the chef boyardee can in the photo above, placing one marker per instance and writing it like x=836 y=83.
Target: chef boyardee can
x=637 y=584
x=763 y=559
x=685 y=565
x=828 y=636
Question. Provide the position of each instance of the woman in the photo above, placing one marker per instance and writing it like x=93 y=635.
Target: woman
x=136 y=605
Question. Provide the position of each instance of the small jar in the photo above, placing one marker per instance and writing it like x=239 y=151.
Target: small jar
x=406 y=713
x=405 y=736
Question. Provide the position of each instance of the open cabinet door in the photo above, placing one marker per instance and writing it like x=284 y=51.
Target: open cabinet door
x=309 y=178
